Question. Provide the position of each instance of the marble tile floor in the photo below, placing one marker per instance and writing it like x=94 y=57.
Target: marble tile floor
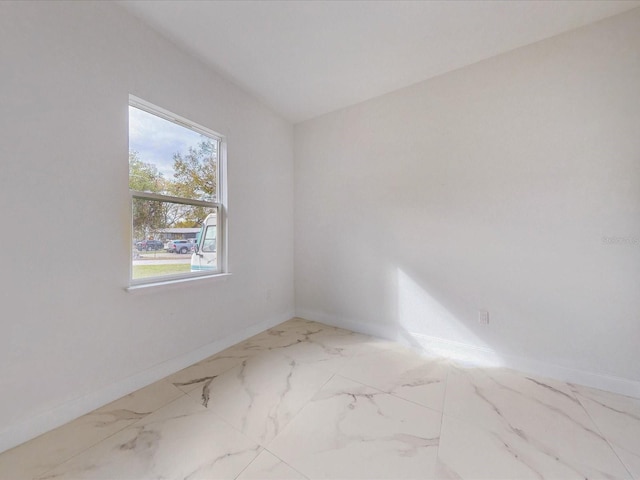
x=309 y=401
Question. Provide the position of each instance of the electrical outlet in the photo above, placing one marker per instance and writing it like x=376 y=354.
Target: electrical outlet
x=483 y=317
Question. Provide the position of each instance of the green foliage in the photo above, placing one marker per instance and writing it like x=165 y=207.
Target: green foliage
x=195 y=172
x=148 y=216
x=144 y=177
x=194 y=178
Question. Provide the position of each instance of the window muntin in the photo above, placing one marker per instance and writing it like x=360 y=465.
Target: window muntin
x=174 y=182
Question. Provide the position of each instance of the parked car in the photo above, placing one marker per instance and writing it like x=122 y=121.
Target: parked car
x=149 y=245
x=178 y=246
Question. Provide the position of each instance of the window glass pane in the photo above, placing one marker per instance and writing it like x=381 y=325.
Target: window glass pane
x=170 y=159
x=164 y=237
x=206 y=256
x=209 y=243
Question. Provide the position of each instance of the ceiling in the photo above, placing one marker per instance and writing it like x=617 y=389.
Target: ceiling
x=307 y=58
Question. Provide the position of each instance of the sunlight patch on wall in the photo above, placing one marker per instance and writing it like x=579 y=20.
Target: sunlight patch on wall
x=430 y=325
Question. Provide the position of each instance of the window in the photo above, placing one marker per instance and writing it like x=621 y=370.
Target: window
x=175 y=181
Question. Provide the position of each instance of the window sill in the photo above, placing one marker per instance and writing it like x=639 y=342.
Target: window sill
x=176 y=283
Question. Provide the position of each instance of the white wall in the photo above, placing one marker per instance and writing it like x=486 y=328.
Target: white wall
x=71 y=337
x=492 y=188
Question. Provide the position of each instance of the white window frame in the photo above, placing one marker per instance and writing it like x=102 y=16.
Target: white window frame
x=219 y=204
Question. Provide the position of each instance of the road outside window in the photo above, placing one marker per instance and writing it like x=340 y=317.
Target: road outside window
x=174 y=180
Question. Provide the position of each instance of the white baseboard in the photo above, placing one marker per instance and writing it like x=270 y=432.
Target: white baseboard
x=29 y=428
x=480 y=356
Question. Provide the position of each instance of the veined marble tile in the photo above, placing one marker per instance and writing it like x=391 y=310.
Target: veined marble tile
x=200 y=374
x=329 y=352
x=538 y=424
x=618 y=418
x=352 y=342
x=35 y=457
x=401 y=372
x=350 y=430
x=262 y=394
x=305 y=328
x=286 y=389
x=282 y=336
x=285 y=335
x=267 y=466
x=311 y=342
x=470 y=452
x=181 y=440
x=301 y=326
x=285 y=338
x=294 y=338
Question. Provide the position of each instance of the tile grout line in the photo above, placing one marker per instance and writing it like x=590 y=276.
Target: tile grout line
x=390 y=393
x=264 y=446
x=444 y=399
x=595 y=424
x=293 y=417
x=250 y=463
x=300 y=409
x=335 y=373
x=165 y=380
x=44 y=473
x=198 y=363
x=287 y=464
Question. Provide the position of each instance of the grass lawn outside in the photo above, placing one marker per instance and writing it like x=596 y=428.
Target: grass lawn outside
x=144 y=271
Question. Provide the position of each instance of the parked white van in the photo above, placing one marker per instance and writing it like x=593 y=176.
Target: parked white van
x=205 y=255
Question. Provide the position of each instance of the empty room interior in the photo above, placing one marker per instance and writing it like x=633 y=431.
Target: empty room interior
x=320 y=239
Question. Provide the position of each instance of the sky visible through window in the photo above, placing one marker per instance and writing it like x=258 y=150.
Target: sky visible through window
x=156 y=140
